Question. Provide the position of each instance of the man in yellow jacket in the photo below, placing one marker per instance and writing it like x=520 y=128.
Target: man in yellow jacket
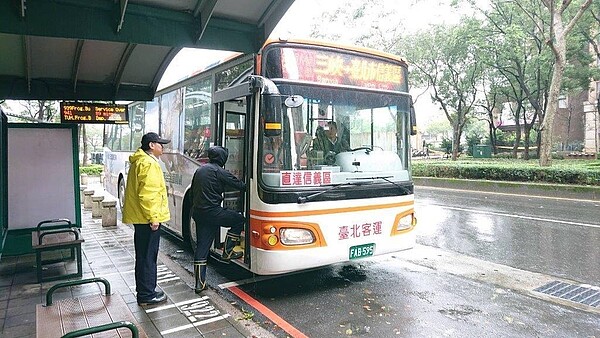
x=146 y=207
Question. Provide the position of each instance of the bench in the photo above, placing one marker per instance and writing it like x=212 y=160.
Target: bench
x=86 y=315
x=60 y=237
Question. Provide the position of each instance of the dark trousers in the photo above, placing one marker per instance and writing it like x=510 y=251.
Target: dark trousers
x=208 y=222
x=146 y=244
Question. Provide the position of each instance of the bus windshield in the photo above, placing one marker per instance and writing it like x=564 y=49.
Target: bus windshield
x=336 y=136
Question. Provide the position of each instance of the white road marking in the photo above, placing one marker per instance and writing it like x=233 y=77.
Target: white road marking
x=476 y=211
x=184 y=327
x=170 y=306
x=510 y=194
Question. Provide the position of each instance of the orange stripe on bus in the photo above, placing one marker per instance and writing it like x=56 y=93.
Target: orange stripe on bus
x=287 y=327
x=328 y=211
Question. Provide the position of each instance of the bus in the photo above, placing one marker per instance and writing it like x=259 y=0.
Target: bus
x=306 y=206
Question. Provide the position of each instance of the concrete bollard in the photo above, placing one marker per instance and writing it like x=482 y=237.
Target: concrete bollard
x=109 y=213
x=81 y=195
x=84 y=179
x=87 y=199
x=97 y=206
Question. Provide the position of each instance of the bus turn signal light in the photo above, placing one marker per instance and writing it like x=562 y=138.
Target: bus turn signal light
x=272 y=240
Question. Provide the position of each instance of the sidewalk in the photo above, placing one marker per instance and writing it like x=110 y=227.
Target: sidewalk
x=109 y=253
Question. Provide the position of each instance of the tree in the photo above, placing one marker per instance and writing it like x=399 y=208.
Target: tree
x=557 y=40
x=35 y=110
x=518 y=39
x=446 y=60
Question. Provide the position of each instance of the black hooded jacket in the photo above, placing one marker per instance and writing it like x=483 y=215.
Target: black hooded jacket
x=210 y=180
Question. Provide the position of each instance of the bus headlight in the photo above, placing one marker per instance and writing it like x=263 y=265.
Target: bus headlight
x=295 y=236
x=406 y=222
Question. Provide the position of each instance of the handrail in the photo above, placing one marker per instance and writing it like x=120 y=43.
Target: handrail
x=105 y=327
x=76 y=282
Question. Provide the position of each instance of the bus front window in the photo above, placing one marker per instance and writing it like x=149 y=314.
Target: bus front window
x=336 y=136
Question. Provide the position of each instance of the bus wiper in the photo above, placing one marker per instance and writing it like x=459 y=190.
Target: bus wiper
x=304 y=199
x=385 y=178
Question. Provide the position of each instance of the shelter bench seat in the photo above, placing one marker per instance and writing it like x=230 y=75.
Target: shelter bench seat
x=58 y=238
x=86 y=315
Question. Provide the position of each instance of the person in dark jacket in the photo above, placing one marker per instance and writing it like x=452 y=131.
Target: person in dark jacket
x=208 y=185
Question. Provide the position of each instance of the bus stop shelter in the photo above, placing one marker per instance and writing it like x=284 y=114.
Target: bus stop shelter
x=109 y=50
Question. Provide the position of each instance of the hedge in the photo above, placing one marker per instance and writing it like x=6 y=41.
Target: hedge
x=94 y=169
x=577 y=172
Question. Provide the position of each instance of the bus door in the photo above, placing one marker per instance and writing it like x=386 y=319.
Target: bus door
x=232 y=107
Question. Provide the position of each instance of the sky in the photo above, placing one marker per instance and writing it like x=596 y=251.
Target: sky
x=297 y=22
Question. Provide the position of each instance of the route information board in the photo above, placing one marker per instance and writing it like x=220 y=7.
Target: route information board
x=77 y=112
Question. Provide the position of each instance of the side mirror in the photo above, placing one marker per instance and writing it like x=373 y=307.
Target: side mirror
x=294 y=101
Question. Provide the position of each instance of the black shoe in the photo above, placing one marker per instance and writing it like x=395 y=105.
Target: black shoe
x=159 y=294
x=156 y=300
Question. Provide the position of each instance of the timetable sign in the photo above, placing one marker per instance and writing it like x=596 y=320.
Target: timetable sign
x=77 y=112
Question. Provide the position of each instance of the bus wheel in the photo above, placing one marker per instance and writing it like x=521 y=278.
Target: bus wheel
x=192 y=231
x=121 y=193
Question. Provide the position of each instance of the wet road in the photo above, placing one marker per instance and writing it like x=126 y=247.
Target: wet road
x=478 y=259
x=559 y=237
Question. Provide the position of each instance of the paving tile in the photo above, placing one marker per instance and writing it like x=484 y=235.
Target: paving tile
x=21 y=319
x=170 y=322
x=20 y=331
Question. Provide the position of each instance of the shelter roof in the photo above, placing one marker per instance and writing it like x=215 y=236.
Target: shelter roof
x=117 y=49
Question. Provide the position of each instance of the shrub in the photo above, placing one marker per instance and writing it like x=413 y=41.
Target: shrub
x=580 y=172
x=92 y=170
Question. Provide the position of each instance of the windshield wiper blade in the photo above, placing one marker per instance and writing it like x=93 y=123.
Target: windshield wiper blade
x=385 y=178
x=308 y=198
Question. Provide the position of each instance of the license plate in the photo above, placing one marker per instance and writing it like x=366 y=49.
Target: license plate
x=360 y=251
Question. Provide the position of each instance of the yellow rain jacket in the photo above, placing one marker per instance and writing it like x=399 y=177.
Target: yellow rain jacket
x=146 y=192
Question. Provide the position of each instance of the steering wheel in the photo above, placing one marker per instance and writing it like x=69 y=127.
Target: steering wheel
x=370 y=148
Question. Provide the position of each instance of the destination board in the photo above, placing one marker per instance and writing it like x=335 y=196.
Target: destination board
x=337 y=68
x=77 y=112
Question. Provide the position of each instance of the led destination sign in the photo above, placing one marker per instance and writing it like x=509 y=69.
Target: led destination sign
x=321 y=66
x=76 y=112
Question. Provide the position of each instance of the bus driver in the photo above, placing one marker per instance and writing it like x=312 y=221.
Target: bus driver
x=331 y=141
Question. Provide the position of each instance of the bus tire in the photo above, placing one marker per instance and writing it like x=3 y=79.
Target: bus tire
x=189 y=223
x=121 y=192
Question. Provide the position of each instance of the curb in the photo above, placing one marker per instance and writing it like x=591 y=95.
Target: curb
x=523 y=188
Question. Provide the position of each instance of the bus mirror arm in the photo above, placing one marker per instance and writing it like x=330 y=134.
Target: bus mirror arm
x=265 y=86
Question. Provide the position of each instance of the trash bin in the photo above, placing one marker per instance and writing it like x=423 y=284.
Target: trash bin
x=482 y=151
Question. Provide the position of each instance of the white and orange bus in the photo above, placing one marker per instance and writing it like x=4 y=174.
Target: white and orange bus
x=306 y=206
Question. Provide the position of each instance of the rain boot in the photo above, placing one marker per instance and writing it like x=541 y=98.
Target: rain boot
x=231 y=240
x=200 y=276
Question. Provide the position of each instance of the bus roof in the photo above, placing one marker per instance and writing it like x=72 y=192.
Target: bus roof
x=324 y=43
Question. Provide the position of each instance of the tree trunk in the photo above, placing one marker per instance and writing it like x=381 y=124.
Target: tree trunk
x=526 y=141
x=455 y=142
x=515 y=150
x=554 y=93
x=84 y=141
